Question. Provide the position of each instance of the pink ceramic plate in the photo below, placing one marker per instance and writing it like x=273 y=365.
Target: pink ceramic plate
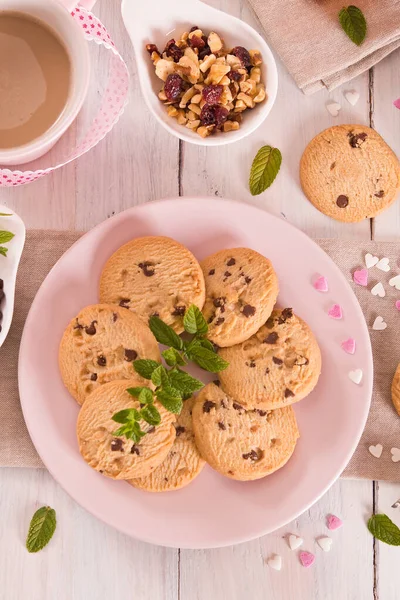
x=212 y=511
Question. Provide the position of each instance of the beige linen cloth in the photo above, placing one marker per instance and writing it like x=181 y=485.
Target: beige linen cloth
x=309 y=39
x=44 y=248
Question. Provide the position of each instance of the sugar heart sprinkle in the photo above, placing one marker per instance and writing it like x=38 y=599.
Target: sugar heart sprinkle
x=349 y=346
x=333 y=522
x=395 y=455
x=325 y=543
x=294 y=541
x=376 y=451
x=321 y=284
x=275 y=562
x=361 y=277
x=352 y=97
x=356 y=376
x=397 y=103
x=383 y=265
x=395 y=282
x=306 y=558
x=378 y=290
x=335 y=312
x=371 y=260
x=379 y=324
x=333 y=108
x=397 y=305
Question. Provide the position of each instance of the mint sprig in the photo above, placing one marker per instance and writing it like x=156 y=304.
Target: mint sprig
x=353 y=23
x=41 y=529
x=384 y=530
x=264 y=169
x=5 y=237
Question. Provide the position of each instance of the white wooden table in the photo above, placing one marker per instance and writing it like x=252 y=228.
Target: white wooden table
x=88 y=560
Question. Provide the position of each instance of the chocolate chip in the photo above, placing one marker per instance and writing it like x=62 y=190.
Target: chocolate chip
x=179 y=430
x=270 y=323
x=237 y=406
x=91 y=329
x=117 y=444
x=248 y=310
x=277 y=361
x=93 y=377
x=147 y=268
x=151 y=430
x=251 y=364
x=262 y=413
x=208 y=405
x=135 y=450
x=289 y=393
x=272 y=338
x=285 y=315
x=211 y=272
x=217 y=382
x=227 y=274
x=115 y=317
x=130 y=355
x=165 y=478
x=231 y=472
x=220 y=303
x=380 y=194
x=219 y=321
x=267 y=371
x=231 y=262
x=124 y=303
x=179 y=311
x=356 y=139
x=252 y=455
x=248 y=279
x=101 y=360
x=342 y=201
x=78 y=325
x=221 y=425
x=223 y=404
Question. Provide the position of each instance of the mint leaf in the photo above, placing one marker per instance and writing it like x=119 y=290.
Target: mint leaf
x=5 y=236
x=151 y=415
x=135 y=391
x=207 y=360
x=353 y=23
x=3 y=250
x=194 y=322
x=264 y=169
x=384 y=530
x=170 y=401
x=158 y=374
x=41 y=529
x=164 y=334
x=145 y=397
x=173 y=358
x=145 y=367
x=184 y=383
x=207 y=344
x=123 y=416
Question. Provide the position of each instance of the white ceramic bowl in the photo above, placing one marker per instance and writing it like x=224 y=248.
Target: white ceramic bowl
x=170 y=19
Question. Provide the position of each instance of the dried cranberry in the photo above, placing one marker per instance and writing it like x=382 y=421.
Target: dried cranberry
x=235 y=76
x=194 y=28
x=212 y=93
x=206 y=51
x=152 y=48
x=243 y=55
x=213 y=115
x=172 y=50
x=196 y=42
x=173 y=87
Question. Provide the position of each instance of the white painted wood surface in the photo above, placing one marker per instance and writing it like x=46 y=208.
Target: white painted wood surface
x=139 y=162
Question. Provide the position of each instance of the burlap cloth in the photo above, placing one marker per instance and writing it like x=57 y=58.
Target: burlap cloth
x=317 y=53
x=44 y=248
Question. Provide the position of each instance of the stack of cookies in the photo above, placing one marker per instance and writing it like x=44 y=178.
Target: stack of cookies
x=243 y=425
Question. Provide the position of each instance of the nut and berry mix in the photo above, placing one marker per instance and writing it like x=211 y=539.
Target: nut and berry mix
x=207 y=87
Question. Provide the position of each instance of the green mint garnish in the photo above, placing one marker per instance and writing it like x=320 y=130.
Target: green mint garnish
x=194 y=322
x=145 y=368
x=353 y=23
x=41 y=529
x=264 y=169
x=164 y=334
x=3 y=250
x=207 y=359
x=384 y=530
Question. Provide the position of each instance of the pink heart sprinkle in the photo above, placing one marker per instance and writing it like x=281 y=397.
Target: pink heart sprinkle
x=333 y=522
x=361 y=277
x=321 y=284
x=349 y=346
x=398 y=304
x=336 y=312
x=397 y=103
x=307 y=559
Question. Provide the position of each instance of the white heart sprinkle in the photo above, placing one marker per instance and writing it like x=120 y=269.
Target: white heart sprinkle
x=395 y=454
x=379 y=324
x=371 y=260
x=378 y=290
x=325 y=543
x=356 y=376
x=295 y=541
x=395 y=282
x=275 y=562
x=376 y=450
x=383 y=265
x=333 y=108
x=352 y=97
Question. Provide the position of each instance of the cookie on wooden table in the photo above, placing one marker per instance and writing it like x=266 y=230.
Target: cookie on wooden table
x=241 y=290
x=154 y=276
x=183 y=462
x=99 y=346
x=238 y=443
x=277 y=366
x=117 y=457
x=349 y=173
x=396 y=390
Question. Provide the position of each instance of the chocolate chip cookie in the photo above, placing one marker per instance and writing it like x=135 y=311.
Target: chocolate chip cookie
x=241 y=290
x=242 y=444
x=99 y=345
x=396 y=390
x=154 y=276
x=183 y=462
x=117 y=457
x=349 y=173
x=277 y=366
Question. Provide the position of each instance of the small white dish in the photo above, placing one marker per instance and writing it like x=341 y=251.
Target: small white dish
x=169 y=19
x=9 y=266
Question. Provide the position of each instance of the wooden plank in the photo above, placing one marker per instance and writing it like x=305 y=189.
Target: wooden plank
x=387 y=557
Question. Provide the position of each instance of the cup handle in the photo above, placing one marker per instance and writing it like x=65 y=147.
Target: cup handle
x=71 y=4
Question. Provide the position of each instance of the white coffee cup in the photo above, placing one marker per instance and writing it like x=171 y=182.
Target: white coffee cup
x=56 y=15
